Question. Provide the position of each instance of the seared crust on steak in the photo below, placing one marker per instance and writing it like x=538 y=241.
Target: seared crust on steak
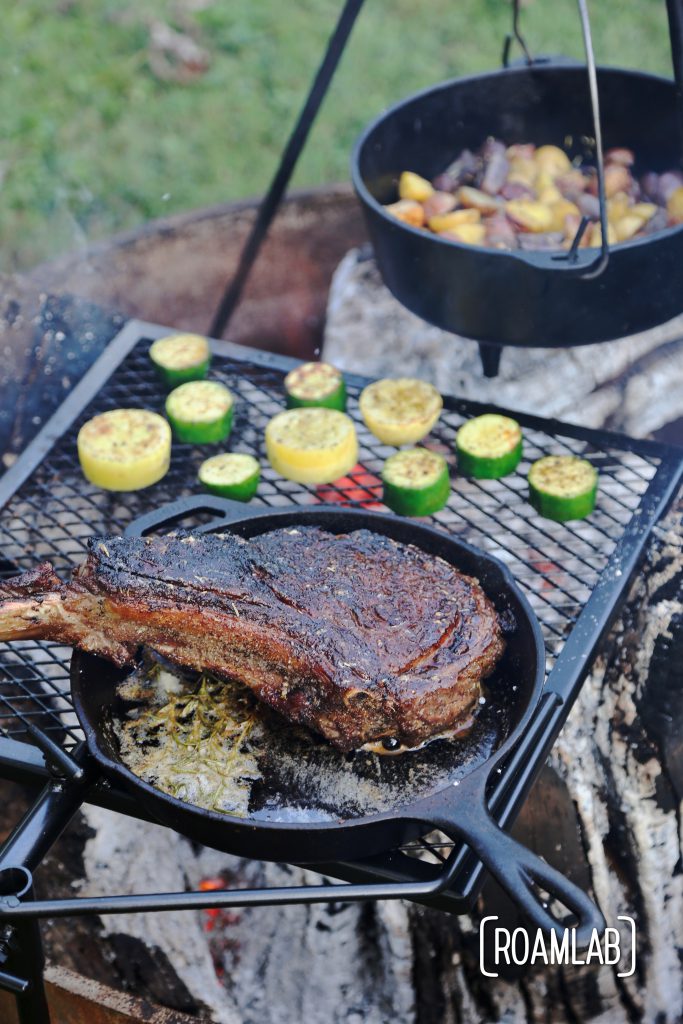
x=358 y=637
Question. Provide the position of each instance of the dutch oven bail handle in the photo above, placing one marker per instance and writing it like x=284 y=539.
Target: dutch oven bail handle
x=518 y=870
x=567 y=260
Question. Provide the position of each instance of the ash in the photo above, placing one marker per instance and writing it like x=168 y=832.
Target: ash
x=606 y=385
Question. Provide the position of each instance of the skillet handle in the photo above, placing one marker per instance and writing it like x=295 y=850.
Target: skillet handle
x=516 y=869
x=225 y=512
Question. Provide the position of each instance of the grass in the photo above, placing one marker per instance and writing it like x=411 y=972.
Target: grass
x=93 y=142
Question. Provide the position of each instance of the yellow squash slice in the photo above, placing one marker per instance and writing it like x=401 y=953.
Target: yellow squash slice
x=312 y=446
x=401 y=411
x=124 y=449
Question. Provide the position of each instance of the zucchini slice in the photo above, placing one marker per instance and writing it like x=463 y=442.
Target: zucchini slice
x=416 y=482
x=231 y=475
x=312 y=446
x=315 y=384
x=489 y=446
x=181 y=357
x=563 y=487
x=400 y=411
x=200 y=411
x=124 y=449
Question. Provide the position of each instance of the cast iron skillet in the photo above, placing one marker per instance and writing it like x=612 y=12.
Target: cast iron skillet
x=315 y=804
x=523 y=298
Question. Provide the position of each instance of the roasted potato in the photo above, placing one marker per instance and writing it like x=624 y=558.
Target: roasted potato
x=409 y=211
x=534 y=197
x=412 y=186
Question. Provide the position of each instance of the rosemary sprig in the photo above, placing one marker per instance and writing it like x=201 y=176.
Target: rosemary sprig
x=192 y=745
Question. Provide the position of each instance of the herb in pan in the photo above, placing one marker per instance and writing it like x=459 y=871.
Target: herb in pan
x=192 y=745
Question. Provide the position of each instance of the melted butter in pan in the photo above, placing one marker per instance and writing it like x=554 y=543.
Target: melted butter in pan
x=389 y=747
x=211 y=743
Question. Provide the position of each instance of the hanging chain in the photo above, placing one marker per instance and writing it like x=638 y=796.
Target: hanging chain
x=516 y=34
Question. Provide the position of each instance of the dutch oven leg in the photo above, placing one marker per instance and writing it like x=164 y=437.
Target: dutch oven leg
x=490 y=358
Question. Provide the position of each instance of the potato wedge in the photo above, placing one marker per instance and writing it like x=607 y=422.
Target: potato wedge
x=617 y=179
x=523 y=170
x=529 y=215
x=674 y=206
x=622 y=156
x=552 y=160
x=412 y=186
x=595 y=236
x=618 y=207
x=471 y=234
x=409 y=211
x=628 y=226
x=474 y=199
x=550 y=195
x=571 y=184
x=449 y=221
x=437 y=204
x=520 y=150
x=560 y=211
x=645 y=211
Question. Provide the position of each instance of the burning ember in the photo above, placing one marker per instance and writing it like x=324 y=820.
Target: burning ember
x=360 y=487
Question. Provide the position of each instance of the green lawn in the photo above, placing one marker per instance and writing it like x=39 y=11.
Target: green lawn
x=92 y=142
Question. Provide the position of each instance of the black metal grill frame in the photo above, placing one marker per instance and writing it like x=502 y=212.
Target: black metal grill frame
x=575 y=574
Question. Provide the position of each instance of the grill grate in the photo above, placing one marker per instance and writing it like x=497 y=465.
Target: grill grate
x=54 y=511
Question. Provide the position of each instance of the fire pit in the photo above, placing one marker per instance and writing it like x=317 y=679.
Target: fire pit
x=574 y=577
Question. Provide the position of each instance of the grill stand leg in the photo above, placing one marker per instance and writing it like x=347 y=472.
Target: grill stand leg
x=21 y=949
x=30 y=962
x=20 y=854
